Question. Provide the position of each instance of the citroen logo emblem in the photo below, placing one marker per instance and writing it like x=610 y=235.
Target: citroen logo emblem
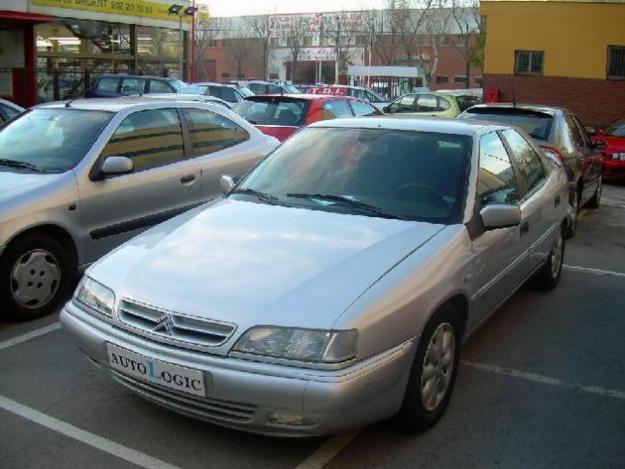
x=164 y=324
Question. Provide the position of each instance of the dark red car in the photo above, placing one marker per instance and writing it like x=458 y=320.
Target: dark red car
x=282 y=115
x=614 y=151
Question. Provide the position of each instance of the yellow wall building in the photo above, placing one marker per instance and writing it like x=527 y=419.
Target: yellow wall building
x=566 y=53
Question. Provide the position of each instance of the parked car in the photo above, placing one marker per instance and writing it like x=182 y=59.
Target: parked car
x=81 y=177
x=282 y=115
x=9 y=110
x=199 y=98
x=355 y=91
x=612 y=140
x=560 y=134
x=334 y=285
x=431 y=104
x=270 y=87
x=230 y=93
x=114 y=86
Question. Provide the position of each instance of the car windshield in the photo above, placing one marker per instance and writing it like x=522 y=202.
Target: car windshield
x=291 y=89
x=274 y=111
x=51 y=140
x=245 y=91
x=617 y=129
x=178 y=85
x=193 y=89
x=375 y=172
x=536 y=124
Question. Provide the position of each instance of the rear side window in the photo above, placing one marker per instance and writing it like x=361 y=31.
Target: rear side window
x=336 y=108
x=211 y=132
x=158 y=86
x=526 y=159
x=150 y=138
x=107 y=85
x=229 y=94
x=443 y=104
x=274 y=112
x=427 y=103
x=496 y=182
x=363 y=109
x=133 y=86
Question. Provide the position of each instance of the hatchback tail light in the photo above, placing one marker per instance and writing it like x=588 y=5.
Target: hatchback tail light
x=552 y=152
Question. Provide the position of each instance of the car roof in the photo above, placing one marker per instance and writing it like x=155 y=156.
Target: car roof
x=151 y=77
x=300 y=96
x=417 y=124
x=525 y=107
x=106 y=104
x=213 y=83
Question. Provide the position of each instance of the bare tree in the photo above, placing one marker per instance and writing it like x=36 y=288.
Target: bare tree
x=343 y=30
x=433 y=34
x=262 y=28
x=206 y=34
x=412 y=18
x=381 y=31
x=299 y=29
x=238 y=50
x=469 y=43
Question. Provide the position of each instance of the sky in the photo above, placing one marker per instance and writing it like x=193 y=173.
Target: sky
x=250 y=7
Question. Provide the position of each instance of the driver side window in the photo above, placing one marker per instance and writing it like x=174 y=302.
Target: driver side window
x=496 y=181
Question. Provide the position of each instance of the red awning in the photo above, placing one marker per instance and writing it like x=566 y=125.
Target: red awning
x=23 y=16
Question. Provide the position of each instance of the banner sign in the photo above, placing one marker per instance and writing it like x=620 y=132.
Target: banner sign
x=316 y=54
x=137 y=8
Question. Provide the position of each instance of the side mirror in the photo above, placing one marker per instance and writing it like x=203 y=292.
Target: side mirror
x=117 y=165
x=227 y=183
x=600 y=145
x=500 y=216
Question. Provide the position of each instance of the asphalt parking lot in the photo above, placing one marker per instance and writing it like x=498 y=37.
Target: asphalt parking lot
x=542 y=385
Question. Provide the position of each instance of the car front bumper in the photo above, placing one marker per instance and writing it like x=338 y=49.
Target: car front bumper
x=248 y=395
x=613 y=169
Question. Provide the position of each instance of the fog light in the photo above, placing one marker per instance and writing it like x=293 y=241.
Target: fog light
x=290 y=419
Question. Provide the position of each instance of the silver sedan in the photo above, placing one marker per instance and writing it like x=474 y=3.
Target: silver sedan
x=333 y=286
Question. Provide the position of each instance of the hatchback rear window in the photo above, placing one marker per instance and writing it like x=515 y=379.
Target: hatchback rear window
x=274 y=111
x=536 y=124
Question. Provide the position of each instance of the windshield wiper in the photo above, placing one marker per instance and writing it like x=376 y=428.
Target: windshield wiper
x=348 y=201
x=268 y=198
x=18 y=164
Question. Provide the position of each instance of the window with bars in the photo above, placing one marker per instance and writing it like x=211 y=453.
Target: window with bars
x=460 y=79
x=616 y=62
x=528 y=62
x=441 y=79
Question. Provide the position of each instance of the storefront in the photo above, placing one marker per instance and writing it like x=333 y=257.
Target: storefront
x=53 y=49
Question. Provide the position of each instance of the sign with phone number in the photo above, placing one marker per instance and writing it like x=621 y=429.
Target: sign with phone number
x=139 y=8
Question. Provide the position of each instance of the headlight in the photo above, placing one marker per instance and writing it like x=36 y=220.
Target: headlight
x=310 y=345
x=96 y=296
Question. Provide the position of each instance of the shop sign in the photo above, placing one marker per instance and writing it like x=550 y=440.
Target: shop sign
x=137 y=8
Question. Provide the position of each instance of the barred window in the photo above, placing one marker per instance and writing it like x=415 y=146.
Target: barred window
x=528 y=62
x=441 y=79
x=460 y=79
x=616 y=62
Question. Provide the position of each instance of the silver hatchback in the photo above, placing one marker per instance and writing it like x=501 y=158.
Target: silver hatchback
x=79 y=178
x=332 y=286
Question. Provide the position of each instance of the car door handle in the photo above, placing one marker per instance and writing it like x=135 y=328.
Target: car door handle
x=525 y=228
x=556 y=201
x=187 y=179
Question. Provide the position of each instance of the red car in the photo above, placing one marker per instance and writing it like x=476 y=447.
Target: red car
x=282 y=115
x=614 y=151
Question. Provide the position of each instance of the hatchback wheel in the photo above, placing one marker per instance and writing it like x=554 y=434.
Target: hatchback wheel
x=596 y=198
x=34 y=274
x=549 y=275
x=433 y=372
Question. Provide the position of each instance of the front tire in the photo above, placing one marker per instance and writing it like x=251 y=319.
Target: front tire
x=433 y=373
x=596 y=198
x=35 y=273
x=549 y=275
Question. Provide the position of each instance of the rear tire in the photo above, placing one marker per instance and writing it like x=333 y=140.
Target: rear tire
x=433 y=372
x=571 y=227
x=596 y=198
x=35 y=273
x=549 y=275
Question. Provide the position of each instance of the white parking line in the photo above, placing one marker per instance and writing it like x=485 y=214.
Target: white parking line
x=29 y=335
x=545 y=379
x=110 y=447
x=590 y=270
x=324 y=454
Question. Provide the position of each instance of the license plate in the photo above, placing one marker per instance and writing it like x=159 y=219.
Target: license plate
x=176 y=377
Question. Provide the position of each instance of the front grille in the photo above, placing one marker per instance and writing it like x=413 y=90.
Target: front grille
x=212 y=409
x=174 y=326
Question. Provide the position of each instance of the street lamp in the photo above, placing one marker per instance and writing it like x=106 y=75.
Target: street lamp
x=180 y=11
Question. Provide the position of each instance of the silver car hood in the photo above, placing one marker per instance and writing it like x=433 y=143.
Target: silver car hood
x=16 y=184
x=249 y=263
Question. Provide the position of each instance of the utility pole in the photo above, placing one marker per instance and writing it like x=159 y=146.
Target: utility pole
x=336 y=50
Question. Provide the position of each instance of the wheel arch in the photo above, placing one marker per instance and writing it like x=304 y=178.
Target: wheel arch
x=56 y=232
